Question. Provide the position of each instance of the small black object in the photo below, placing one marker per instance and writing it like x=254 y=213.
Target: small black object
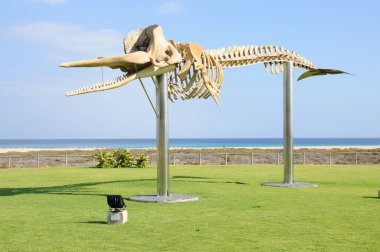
x=116 y=202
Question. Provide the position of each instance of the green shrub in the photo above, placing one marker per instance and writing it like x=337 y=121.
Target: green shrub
x=141 y=161
x=123 y=158
x=104 y=160
x=119 y=158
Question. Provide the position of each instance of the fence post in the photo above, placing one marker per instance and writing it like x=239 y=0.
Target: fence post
x=66 y=160
x=38 y=161
x=356 y=157
x=200 y=158
x=278 y=158
x=9 y=161
x=330 y=158
x=173 y=158
x=226 y=161
x=251 y=158
x=147 y=157
x=304 y=157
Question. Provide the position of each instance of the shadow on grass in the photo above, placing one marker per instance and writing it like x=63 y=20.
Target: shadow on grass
x=189 y=177
x=80 y=188
x=211 y=182
x=94 y=222
x=371 y=197
x=70 y=189
x=181 y=178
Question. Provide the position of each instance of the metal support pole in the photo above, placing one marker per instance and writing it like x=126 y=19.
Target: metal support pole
x=288 y=153
x=225 y=159
x=147 y=96
x=288 y=123
x=251 y=158
x=162 y=136
x=38 y=161
x=149 y=159
x=66 y=160
x=356 y=157
x=330 y=158
x=304 y=157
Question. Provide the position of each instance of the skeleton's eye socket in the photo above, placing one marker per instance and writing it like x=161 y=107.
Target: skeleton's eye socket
x=141 y=48
x=168 y=52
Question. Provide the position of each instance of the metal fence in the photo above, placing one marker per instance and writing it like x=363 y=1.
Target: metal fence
x=47 y=161
x=203 y=158
x=255 y=158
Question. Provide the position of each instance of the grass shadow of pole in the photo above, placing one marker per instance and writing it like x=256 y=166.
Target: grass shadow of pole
x=94 y=222
x=70 y=189
x=80 y=188
x=371 y=197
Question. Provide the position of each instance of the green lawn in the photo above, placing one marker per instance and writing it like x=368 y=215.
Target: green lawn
x=64 y=209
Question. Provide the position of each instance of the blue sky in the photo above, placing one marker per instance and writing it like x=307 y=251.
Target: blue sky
x=37 y=35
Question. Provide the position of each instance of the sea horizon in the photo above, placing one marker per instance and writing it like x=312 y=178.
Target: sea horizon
x=184 y=142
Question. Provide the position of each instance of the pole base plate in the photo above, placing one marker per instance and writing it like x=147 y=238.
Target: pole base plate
x=172 y=198
x=291 y=185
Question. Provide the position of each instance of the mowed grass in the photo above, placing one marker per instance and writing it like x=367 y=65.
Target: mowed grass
x=64 y=209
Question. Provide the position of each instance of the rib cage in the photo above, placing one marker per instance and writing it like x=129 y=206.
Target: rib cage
x=271 y=56
x=203 y=79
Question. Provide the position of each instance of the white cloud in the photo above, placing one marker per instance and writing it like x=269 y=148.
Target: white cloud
x=51 y=2
x=70 y=38
x=170 y=8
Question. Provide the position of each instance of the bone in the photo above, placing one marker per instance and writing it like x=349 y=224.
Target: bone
x=250 y=50
x=246 y=51
x=266 y=66
x=138 y=58
x=102 y=86
x=277 y=68
x=272 y=67
x=235 y=51
x=281 y=67
x=262 y=50
x=260 y=54
x=204 y=73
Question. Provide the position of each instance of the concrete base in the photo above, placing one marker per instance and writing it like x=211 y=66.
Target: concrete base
x=117 y=217
x=172 y=198
x=294 y=184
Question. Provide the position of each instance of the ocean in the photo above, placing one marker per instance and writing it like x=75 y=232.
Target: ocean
x=183 y=142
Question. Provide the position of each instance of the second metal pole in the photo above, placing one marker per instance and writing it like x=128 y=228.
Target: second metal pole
x=162 y=136
x=288 y=134
x=288 y=123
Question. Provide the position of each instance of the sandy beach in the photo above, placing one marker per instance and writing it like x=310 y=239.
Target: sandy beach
x=341 y=148
x=26 y=150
